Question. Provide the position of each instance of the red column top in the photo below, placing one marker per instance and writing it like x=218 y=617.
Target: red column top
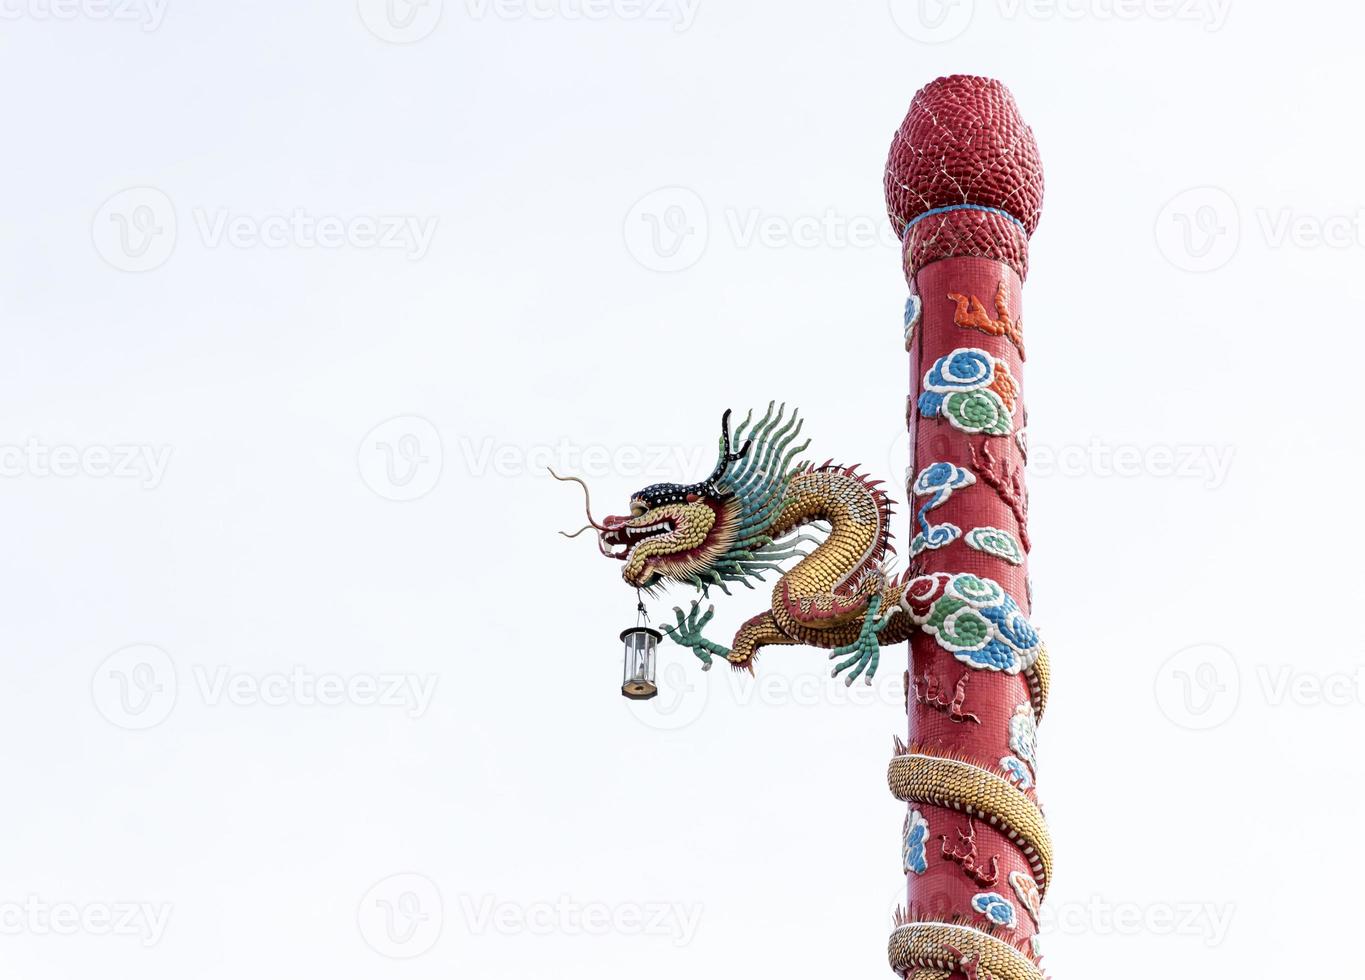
x=963 y=176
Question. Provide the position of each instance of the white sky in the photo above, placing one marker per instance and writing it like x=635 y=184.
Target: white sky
x=1191 y=314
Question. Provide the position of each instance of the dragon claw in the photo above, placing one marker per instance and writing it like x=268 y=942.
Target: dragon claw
x=688 y=632
x=864 y=653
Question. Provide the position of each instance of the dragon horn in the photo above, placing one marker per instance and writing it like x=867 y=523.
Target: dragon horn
x=727 y=457
x=587 y=503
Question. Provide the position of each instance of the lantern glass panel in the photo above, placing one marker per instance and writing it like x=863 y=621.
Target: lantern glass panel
x=639 y=662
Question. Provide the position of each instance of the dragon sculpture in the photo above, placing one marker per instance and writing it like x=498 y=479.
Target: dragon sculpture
x=759 y=510
x=756 y=510
x=964 y=188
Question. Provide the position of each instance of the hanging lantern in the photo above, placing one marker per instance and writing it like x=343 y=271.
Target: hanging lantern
x=641 y=650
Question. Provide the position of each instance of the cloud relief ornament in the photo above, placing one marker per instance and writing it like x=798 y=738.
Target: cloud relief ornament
x=973 y=390
x=974 y=619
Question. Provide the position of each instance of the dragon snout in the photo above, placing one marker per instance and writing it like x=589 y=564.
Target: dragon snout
x=613 y=536
x=620 y=533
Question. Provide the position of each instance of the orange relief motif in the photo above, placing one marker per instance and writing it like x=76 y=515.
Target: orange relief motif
x=971 y=315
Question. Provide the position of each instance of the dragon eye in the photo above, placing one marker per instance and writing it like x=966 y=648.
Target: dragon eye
x=637 y=509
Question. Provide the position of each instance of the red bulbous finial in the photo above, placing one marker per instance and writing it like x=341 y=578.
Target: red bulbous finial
x=964 y=142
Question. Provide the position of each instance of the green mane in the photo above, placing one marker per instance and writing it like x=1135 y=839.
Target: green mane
x=759 y=483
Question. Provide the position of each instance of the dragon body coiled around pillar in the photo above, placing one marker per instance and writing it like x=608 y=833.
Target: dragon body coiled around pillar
x=964 y=190
x=821 y=536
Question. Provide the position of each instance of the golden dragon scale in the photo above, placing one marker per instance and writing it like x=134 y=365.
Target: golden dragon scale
x=964 y=186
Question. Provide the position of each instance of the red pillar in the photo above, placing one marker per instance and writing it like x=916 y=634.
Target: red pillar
x=964 y=183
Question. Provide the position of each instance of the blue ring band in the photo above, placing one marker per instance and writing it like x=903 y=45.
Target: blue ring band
x=960 y=207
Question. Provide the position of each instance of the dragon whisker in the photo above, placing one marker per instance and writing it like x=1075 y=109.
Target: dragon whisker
x=587 y=503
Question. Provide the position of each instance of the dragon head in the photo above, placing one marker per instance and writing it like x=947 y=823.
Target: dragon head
x=676 y=531
x=714 y=531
